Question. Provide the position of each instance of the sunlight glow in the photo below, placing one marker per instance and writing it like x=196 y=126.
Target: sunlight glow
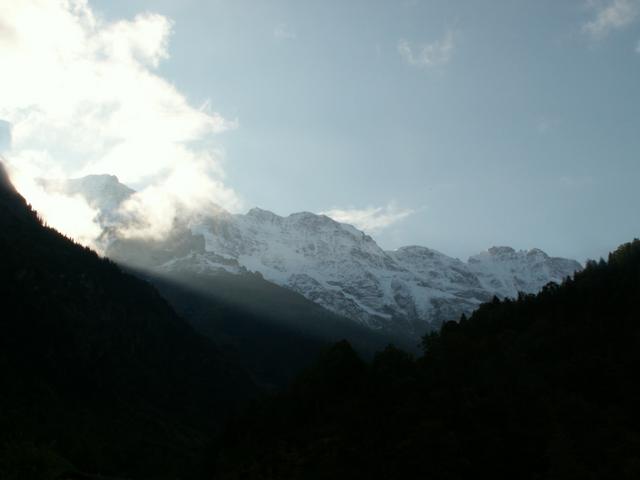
x=82 y=96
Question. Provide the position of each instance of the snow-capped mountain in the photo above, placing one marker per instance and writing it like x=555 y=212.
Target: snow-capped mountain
x=343 y=269
x=505 y=272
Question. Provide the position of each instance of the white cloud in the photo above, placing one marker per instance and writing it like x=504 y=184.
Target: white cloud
x=83 y=96
x=283 y=32
x=184 y=190
x=370 y=219
x=70 y=215
x=612 y=15
x=430 y=54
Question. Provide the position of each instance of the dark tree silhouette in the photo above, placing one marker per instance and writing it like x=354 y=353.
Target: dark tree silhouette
x=542 y=387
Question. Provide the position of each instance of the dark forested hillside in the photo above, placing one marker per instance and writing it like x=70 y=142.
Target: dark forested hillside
x=97 y=372
x=543 y=387
x=270 y=330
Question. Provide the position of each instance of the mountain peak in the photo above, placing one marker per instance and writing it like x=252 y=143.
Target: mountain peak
x=536 y=252
x=501 y=251
x=313 y=219
x=419 y=249
x=104 y=192
x=100 y=179
x=264 y=215
x=303 y=215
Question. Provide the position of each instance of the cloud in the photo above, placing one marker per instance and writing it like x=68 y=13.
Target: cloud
x=70 y=215
x=613 y=15
x=371 y=219
x=430 y=54
x=83 y=95
x=282 y=32
x=184 y=191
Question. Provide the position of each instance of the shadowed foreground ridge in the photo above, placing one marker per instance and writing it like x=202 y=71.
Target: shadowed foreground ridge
x=97 y=372
x=543 y=387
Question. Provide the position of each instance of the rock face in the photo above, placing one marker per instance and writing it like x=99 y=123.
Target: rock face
x=406 y=291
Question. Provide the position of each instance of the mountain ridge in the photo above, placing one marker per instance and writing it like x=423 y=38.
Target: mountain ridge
x=408 y=290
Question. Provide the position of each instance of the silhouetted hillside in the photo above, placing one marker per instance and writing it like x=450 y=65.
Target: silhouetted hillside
x=270 y=330
x=97 y=372
x=545 y=387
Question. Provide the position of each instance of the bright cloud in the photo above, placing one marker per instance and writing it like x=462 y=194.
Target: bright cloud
x=430 y=54
x=83 y=96
x=371 y=219
x=612 y=15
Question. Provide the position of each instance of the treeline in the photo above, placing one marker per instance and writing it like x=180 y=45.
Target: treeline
x=546 y=386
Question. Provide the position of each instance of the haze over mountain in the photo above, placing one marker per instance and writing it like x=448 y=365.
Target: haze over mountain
x=402 y=292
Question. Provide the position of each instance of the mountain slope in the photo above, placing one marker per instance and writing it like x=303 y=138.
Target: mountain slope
x=97 y=372
x=543 y=387
x=270 y=330
x=273 y=332
x=404 y=292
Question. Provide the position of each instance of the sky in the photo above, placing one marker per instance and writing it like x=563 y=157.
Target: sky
x=456 y=125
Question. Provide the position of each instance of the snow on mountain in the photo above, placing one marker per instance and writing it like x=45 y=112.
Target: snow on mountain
x=341 y=268
x=506 y=272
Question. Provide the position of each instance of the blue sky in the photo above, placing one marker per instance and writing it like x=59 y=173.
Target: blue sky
x=452 y=124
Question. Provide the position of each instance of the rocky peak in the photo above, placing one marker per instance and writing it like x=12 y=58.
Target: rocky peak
x=263 y=215
x=501 y=251
x=537 y=253
x=417 y=252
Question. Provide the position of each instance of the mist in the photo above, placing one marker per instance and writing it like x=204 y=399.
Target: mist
x=103 y=108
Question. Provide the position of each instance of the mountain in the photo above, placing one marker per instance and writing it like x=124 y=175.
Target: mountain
x=541 y=387
x=404 y=292
x=506 y=272
x=271 y=331
x=97 y=372
x=104 y=193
